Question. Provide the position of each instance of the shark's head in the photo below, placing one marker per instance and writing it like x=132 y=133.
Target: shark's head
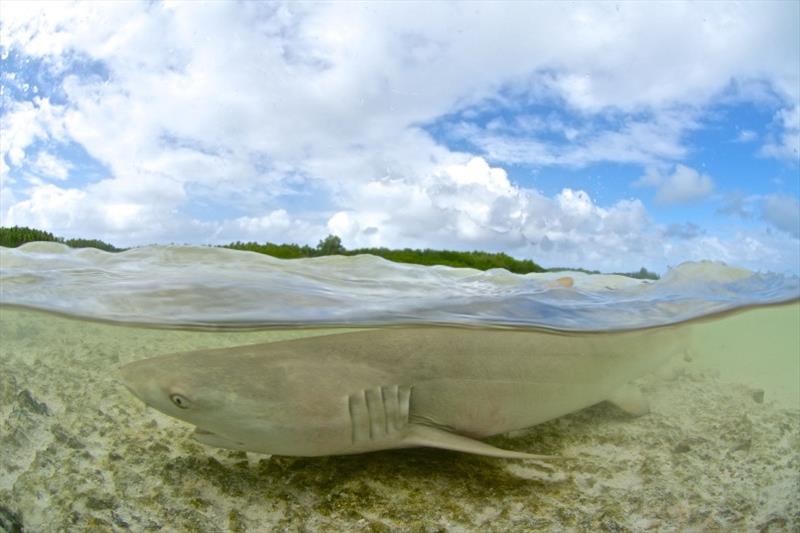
x=230 y=409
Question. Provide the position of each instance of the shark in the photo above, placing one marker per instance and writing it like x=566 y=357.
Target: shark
x=400 y=387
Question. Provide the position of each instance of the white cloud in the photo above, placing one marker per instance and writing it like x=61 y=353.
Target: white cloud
x=746 y=136
x=739 y=205
x=635 y=141
x=47 y=206
x=778 y=210
x=652 y=177
x=108 y=211
x=273 y=226
x=49 y=166
x=783 y=212
x=689 y=230
x=473 y=205
x=685 y=184
x=312 y=81
x=785 y=143
x=748 y=248
x=23 y=123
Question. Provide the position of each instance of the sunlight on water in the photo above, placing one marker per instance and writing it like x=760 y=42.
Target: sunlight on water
x=204 y=286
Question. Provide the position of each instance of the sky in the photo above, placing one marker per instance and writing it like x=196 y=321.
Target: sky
x=604 y=135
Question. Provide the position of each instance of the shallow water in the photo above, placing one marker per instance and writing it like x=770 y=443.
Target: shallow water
x=720 y=449
x=77 y=451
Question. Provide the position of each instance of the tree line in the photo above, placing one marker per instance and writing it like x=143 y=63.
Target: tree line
x=14 y=236
x=11 y=237
x=332 y=245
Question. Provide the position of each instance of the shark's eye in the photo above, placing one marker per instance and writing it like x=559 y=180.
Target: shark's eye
x=179 y=401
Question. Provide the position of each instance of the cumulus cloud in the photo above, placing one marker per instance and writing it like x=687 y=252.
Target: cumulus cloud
x=688 y=230
x=474 y=205
x=685 y=184
x=274 y=226
x=784 y=142
x=779 y=210
x=98 y=210
x=318 y=81
x=25 y=122
x=739 y=205
x=469 y=204
x=553 y=142
x=49 y=166
x=783 y=212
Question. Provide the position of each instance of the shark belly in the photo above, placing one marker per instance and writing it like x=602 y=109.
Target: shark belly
x=479 y=408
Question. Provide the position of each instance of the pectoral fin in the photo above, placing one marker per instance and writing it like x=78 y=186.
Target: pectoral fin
x=418 y=435
x=381 y=415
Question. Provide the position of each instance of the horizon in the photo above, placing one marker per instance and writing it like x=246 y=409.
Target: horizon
x=591 y=135
x=322 y=249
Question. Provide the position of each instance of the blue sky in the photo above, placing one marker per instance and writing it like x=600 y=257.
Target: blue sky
x=602 y=135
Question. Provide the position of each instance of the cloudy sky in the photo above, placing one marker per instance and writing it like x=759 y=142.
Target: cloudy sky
x=605 y=135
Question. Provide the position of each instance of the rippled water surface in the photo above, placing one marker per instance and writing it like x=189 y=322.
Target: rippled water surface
x=204 y=286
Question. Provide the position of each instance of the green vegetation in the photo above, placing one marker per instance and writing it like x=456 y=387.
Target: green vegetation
x=282 y=251
x=569 y=269
x=642 y=274
x=14 y=236
x=332 y=245
x=474 y=259
x=92 y=243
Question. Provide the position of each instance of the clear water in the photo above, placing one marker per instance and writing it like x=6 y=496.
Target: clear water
x=720 y=449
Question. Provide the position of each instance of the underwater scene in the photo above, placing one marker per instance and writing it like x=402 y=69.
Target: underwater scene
x=539 y=402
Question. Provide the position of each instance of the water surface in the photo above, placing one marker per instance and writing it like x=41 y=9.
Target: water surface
x=218 y=287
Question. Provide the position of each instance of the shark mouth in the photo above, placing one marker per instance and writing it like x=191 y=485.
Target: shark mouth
x=212 y=439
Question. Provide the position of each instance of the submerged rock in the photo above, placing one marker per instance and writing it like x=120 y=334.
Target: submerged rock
x=27 y=401
x=682 y=447
x=10 y=522
x=758 y=395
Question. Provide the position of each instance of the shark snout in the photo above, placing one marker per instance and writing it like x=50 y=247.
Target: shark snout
x=138 y=378
x=126 y=376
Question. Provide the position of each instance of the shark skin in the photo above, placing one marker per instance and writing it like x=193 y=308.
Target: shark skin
x=379 y=389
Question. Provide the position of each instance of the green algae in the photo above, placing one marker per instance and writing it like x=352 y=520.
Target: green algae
x=236 y=522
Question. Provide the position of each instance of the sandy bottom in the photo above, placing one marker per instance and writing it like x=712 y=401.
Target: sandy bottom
x=78 y=452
